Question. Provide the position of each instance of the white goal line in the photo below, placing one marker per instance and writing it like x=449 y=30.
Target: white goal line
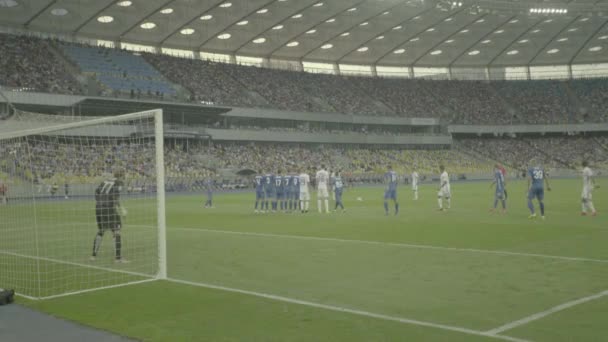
x=349 y=310
x=71 y=263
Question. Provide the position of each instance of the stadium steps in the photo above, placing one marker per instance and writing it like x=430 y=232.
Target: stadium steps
x=574 y=103
x=510 y=109
x=72 y=68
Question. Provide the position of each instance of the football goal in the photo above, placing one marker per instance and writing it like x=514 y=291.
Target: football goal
x=68 y=181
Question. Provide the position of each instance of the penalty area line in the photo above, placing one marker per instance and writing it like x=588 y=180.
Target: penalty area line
x=543 y=314
x=394 y=244
x=348 y=310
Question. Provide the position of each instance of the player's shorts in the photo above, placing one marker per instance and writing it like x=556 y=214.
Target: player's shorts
x=538 y=193
x=259 y=195
x=304 y=196
x=288 y=195
x=500 y=194
x=322 y=192
x=587 y=194
x=280 y=195
x=414 y=187
x=444 y=192
x=390 y=194
x=107 y=219
x=271 y=194
x=295 y=194
x=338 y=194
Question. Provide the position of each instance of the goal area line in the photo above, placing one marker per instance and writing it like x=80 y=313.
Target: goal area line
x=148 y=277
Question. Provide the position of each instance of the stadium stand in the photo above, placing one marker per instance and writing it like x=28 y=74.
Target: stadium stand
x=118 y=70
x=28 y=65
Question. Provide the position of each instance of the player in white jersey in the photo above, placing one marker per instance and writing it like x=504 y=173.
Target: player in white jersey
x=587 y=194
x=415 y=178
x=444 y=189
x=322 y=178
x=304 y=194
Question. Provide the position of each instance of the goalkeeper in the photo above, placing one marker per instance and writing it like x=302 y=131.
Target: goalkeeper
x=108 y=213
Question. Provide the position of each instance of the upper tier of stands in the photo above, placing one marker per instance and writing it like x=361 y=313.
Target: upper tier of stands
x=30 y=63
x=118 y=70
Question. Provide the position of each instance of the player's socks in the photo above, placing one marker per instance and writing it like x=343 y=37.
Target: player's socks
x=449 y=203
x=591 y=207
x=496 y=203
x=396 y=208
x=319 y=205
x=531 y=207
x=542 y=209
x=118 y=246
x=97 y=243
x=326 y=205
x=504 y=204
x=386 y=207
x=440 y=202
x=256 y=206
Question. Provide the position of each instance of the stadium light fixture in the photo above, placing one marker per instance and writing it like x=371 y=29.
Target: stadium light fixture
x=318 y=4
x=362 y=49
x=226 y=4
x=487 y=41
x=436 y=52
x=399 y=51
x=242 y=23
x=297 y=16
x=59 y=12
x=125 y=3
x=187 y=31
x=148 y=25
x=595 y=49
x=311 y=31
x=379 y=37
x=259 y=40
x=512 y=52
x=166 y=11
x=105 y=19
x=224 y=36
x=364 y=23
x=206 y=17
x=327 y=46
x=293 y=44
x=330 y=20
x=262 y=11
x=345 y=34
x=278 y=27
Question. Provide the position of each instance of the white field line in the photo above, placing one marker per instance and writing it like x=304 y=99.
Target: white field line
x=100 y=288
x=347 y=310
x=393 y=244
x=546 y=313
x=25 y=256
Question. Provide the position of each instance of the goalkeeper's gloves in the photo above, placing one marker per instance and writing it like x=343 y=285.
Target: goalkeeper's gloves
x=122 y=211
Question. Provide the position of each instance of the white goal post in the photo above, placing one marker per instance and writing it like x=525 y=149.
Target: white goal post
x=54 y=238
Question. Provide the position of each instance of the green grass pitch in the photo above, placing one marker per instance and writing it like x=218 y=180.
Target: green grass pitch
x=465 y=269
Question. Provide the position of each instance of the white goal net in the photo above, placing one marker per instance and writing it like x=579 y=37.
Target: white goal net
x=81 y=202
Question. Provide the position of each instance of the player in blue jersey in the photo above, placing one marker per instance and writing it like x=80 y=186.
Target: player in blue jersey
x=279 y=183
x=391 y=180
x=209 y=185
x=295 y=191
x=500 y=194
x=338 y=190
x=287 y=179
x=258 y=183
x=270 y=190
x=537 y=178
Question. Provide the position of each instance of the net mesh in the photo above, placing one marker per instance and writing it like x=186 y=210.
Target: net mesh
x=50 y=168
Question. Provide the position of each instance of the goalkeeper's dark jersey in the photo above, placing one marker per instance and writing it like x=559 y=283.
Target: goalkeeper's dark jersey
x=107 y=194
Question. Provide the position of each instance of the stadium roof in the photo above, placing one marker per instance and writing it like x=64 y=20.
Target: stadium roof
x=370 y=32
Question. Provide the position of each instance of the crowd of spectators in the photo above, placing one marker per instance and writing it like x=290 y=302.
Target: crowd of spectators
x=28 y=64
x=552 y=152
